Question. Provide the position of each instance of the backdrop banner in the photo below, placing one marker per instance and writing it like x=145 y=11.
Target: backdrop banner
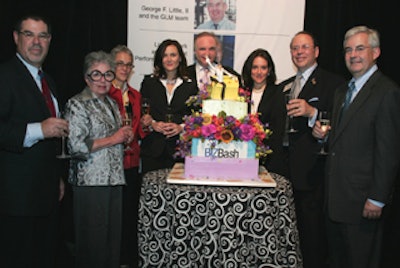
x=248 y=25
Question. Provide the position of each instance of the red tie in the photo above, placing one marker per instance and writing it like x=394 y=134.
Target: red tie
x=47 y=95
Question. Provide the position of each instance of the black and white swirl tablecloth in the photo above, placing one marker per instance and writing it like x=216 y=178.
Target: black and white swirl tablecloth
x=209 y=226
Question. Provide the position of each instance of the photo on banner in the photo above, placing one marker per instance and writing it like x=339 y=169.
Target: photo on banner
x=263 y=24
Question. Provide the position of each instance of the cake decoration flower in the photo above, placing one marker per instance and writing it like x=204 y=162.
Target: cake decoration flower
x=223 y=128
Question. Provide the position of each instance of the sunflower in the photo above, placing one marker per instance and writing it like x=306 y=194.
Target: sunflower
x=226 y=136
x=207 y=119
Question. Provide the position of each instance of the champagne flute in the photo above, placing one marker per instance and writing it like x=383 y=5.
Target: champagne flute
x=290 y=128
x=64 y=154
x=324 y=119
x=145 y=110
x=127 y=121
x=145 y=106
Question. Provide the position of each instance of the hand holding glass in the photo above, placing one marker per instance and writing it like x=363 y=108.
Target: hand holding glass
x=290 y=129
x=127 y=121
x=324 y=119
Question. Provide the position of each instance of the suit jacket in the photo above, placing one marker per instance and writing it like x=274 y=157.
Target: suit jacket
x=306 y=168
x=29 y=181
x=272 y=111
x=364 y=149
x=191 y=69
x=154 y=144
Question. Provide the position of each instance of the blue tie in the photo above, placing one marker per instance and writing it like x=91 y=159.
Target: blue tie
x=347 y=100
x=349 y=94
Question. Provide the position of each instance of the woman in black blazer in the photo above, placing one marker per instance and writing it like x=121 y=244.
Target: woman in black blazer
x=267 y=100
x=167 y=90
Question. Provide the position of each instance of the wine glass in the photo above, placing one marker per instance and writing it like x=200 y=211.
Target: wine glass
x=64 y=154
x=127 y=121
x=324 y=119
x=290 y=128
x=145 y=106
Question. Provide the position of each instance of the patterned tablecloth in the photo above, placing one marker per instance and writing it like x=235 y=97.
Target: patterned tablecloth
x=209 y=226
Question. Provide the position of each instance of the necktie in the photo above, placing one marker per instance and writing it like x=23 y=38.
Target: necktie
x=46 y=94
x=297 y=85
x=205 y=80
x=349 y=95
x=216 y=26
x=347 y=99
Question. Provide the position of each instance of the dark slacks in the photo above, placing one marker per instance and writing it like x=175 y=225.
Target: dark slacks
x=355 y=245
x=311 y=226
x=130 y=204
x=29 y=241
x=97 y=220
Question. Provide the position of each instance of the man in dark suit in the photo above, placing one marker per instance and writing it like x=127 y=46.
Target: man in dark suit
x=364 y=154
x=29 y=182
x=305 y=166
x=206 y=44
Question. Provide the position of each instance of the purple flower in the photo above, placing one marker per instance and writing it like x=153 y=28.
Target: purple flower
x=247 y=132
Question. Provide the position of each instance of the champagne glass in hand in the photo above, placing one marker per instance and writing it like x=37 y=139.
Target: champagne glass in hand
x=145 y=106
x=127 y=121
x=290 y=128
x=145 y=110
x=64 y=154
x=324 y=119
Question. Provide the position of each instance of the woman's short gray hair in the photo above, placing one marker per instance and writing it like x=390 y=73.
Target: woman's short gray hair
x=97 y=57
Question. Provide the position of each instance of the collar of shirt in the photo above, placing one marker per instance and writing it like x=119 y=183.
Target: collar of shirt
x=359 y=82
x=33 y=70
x=307 y=73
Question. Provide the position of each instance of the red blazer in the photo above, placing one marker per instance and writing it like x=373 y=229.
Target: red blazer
x=131 y=157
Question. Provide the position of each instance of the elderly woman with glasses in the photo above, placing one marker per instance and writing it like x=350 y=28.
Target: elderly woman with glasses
x=96 y=144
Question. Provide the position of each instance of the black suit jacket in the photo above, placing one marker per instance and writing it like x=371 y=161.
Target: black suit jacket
x=306 y=168
x=364 y=149
x=154 y=144
x=29 y=181
x=272 y=111
x=191 y=70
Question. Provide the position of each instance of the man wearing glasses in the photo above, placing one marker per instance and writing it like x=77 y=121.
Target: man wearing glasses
x=30 y=185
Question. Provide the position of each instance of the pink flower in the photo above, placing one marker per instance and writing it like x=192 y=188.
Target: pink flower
x=247 y=132
x=208 y=130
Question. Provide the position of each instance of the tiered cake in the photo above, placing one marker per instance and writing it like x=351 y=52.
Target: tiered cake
x=224 y=140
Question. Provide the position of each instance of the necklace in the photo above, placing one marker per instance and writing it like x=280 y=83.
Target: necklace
x=171 y=81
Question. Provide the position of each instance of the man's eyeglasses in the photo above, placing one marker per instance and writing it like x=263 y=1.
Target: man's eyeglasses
x=304 y=47
x=97 y=75
x=358 y=49
x=121 y=64
x=29 y=35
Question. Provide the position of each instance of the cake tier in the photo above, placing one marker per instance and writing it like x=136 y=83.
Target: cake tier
x=230 y=87
x=233 y=149
x=230 y=168
x=233 y=108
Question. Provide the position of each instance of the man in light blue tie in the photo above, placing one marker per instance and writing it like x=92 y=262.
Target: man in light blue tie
x=364 y=155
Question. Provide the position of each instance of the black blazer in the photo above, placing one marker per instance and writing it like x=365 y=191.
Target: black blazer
x=191 y=70
x=272 y=110
x=364 y=149
x=306 y=168
x=29 y=181
x=154 y=144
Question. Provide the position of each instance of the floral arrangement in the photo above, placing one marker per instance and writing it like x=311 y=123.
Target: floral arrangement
x=223 y=128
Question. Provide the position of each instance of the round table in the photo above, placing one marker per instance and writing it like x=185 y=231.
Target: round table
x=210 y=226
